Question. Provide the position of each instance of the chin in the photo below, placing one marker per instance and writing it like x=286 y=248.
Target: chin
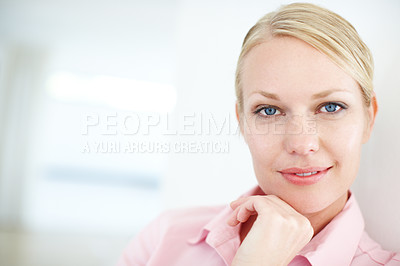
x=309 y=208
x=306 y=201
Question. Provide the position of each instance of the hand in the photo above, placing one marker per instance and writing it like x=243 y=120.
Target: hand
x=277 y=235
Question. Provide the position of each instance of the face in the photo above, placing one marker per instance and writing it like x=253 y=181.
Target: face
x=304 y=120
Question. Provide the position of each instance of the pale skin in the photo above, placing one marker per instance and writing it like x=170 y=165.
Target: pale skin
x=299 y=110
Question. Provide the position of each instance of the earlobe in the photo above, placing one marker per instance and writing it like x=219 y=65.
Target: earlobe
x=372 y=111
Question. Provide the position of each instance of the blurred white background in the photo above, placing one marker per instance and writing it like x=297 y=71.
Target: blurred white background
x=76 y=78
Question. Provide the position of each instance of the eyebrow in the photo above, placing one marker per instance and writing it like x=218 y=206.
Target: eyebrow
x=268 y=95
x=318 y=95
x=323 y=94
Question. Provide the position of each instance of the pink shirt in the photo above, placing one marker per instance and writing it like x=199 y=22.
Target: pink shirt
x=201 y=236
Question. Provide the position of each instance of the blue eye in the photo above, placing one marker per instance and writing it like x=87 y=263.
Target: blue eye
x=269 y=111
x=330 y=108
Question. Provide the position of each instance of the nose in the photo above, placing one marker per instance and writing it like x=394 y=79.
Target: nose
x=301 y=144
x=300 y=138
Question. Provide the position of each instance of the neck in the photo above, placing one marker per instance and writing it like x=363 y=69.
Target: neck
x=320 y=219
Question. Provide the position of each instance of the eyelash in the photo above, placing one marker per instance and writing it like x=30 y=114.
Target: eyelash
x=341 y=107
x=259 y=109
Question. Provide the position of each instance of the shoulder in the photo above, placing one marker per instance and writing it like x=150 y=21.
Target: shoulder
x=171 y=228
x=369 y=252
x=197 y=215
x=185 y=221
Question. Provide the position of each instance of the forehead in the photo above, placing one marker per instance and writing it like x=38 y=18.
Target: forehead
x=286 y=65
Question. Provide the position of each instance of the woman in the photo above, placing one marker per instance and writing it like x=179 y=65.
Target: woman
x=305 y=105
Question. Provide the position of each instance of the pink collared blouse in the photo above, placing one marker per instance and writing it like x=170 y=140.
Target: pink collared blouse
x=201 y=236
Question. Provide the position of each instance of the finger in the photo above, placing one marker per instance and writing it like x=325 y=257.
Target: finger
x=232 y=220
x=247 y=206
x=243 y=209
x=281 y=203
x=234 y=204
x=244 y=213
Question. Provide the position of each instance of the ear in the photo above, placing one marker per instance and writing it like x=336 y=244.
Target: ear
x=237 y=112
x=371 y=112
x=238 y=117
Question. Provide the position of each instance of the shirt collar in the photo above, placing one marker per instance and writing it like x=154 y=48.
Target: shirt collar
x=224 y=238
x=337 y=242
x=219 y=222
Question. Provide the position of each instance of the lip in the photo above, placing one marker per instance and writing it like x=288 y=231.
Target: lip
x=290 y=175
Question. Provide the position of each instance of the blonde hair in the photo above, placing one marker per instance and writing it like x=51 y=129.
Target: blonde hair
x=321 y=28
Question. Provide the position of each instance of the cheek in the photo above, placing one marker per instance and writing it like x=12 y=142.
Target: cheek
x=265 y=149
x=342 y=139
x=342 y=145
